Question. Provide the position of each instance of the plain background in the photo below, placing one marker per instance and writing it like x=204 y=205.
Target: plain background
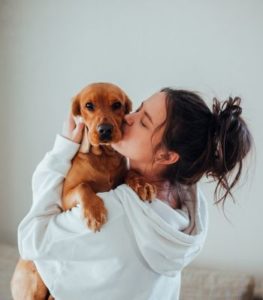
x=52 y=49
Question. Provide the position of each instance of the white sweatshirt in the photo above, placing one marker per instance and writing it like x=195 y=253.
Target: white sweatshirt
x=138 y=254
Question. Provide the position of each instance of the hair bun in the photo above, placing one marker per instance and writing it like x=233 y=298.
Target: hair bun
x=229 y=109
x=223 y=115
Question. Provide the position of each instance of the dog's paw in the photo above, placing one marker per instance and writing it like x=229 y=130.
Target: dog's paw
x=146 y=191
x=95 y=214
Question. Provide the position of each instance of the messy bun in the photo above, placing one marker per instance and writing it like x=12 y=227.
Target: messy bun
x=230 y=140
x=209 y=142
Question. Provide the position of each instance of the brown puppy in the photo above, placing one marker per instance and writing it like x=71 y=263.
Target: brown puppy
x=97 y=167
x=102 y=107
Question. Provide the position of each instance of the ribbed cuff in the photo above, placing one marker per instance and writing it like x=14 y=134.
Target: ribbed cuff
x=65 y=147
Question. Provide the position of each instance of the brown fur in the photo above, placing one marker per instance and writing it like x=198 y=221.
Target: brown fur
x=102 y=168
x=99 y=170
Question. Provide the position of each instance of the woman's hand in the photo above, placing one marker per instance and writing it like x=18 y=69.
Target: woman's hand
x=73 y=130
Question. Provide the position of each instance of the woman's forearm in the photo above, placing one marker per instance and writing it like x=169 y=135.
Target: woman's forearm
x=47 y=182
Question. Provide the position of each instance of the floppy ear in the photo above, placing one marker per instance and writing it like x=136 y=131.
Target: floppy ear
x=128 y=105
x=75 y=106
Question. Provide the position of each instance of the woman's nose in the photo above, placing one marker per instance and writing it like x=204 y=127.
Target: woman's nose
x=129 y=118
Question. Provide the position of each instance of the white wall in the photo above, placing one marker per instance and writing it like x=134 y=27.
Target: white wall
x=51 y=49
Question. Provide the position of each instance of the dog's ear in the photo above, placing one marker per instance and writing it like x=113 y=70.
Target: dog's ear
x=128 y=105
x=75 y=106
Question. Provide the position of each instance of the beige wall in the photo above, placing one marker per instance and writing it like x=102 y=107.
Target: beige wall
x=51 y=49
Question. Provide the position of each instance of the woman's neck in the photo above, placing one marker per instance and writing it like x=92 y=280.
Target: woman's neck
x=164 y=188
x=150 y=174
x=148 y=171
x=165 y=194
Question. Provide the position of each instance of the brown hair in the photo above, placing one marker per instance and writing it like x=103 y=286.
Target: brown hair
x=210 y=143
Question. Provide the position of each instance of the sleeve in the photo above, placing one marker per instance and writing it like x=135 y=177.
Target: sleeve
x=46 y=231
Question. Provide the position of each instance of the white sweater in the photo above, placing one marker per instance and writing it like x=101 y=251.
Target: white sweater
x=138 y=254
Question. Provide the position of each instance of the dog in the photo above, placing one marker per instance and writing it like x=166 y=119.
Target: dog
x=97 y=167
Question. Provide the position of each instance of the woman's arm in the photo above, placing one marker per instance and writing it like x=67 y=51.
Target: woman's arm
x=47 y=182
x=34 y=235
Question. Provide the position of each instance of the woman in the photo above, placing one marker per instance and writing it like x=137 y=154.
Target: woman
x=173 y=139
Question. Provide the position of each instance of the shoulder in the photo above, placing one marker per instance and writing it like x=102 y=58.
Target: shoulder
x=118 y=195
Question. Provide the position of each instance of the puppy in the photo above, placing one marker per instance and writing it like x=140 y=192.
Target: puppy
x=97 y=167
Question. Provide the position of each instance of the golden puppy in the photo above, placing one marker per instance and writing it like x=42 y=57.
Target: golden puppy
x=97 y=167
x=102 y=107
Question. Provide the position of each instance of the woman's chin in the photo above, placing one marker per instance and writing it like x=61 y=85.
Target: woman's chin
x=122 y=147
x=117 y=147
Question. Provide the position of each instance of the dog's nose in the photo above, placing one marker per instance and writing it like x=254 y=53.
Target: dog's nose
x=105 y=131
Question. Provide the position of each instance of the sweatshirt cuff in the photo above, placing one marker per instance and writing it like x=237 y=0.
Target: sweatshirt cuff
x=65 y=147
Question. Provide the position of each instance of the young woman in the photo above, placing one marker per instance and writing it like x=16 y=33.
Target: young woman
x=172 y=139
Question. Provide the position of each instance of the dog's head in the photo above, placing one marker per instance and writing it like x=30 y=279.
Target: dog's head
x=102 y=107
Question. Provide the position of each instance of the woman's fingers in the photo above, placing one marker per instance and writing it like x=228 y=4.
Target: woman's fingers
x=72 y=129
x=78 y=132
x=71 y=121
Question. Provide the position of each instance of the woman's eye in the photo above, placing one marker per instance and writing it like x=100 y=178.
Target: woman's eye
x=143 y=124
x=138 y=109
x=90 y=106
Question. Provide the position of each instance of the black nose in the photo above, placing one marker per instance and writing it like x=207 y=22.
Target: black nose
x=105 y=131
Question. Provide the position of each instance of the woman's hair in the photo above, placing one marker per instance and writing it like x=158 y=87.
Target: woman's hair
x=210 y=143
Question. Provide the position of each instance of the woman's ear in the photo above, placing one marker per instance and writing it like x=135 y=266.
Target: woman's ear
x=167 y=157
x=75 y=106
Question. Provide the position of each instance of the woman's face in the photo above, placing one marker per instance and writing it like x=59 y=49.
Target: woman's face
x=139 y=126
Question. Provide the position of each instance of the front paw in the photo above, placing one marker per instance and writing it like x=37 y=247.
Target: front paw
x=95 y=213
x=146 y=191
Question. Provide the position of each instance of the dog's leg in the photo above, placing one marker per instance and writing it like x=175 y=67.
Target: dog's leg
x=93 y=206
x=26 y=283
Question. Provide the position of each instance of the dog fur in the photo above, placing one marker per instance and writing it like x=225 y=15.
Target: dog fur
x=97 y=167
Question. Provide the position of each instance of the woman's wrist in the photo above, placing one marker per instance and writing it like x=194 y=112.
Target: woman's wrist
x=65 y=147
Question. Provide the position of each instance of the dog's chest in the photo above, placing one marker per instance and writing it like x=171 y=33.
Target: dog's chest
x=103 y=172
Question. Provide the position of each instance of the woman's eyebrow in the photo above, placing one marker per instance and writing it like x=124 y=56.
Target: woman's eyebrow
x=147 y=115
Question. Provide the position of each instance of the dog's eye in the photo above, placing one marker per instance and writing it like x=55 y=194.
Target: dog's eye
x=90 y=106
x=116 y=105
